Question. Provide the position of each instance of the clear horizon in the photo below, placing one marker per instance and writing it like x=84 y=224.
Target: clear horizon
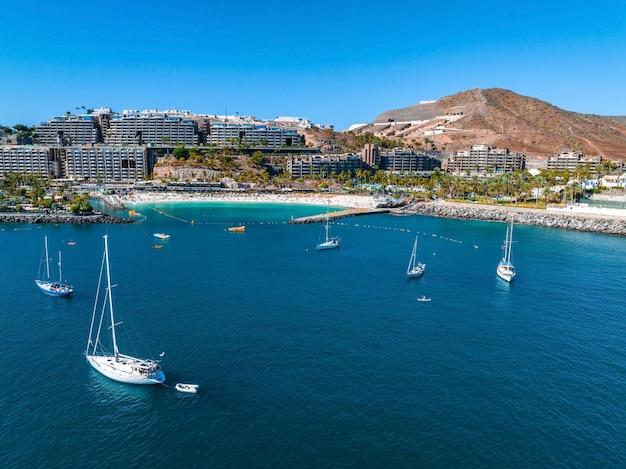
x=334 y=63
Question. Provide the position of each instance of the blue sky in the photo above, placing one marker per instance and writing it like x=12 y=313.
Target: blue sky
x=337 y=63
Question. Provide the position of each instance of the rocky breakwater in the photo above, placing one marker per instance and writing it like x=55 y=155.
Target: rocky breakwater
x=57 y=218
x=521 y=216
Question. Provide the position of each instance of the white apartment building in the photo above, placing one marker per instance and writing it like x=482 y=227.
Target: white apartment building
x=406 y=160
x=310 y=165
x=68 y=130
x=236 y=133
x=108 y=163
x=481 y=158
x=570 y=160
x=150 y=128
x=25 y=159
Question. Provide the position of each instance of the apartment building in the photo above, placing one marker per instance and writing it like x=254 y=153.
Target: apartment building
x=482 y=158
x=406 y=160
x=371 y=155
x=237 y=133
x=150 y=128
x=570 y=160
x=322 y=165
x=68 y=130
x=26 y=159
x=108 y=163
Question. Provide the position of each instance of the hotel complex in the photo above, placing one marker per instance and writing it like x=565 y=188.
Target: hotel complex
x=107 y=146
x=104 y=145
x=483 y=158
x=402 y=160
x=322 y=165
x=148 y=128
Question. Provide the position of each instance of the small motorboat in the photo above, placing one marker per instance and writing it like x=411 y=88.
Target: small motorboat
x=157 y=246
x=237 y=229
x=186 y=387
x=423 y=298
x=161 y=236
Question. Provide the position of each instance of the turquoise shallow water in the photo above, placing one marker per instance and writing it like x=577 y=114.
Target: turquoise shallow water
x=319 y=358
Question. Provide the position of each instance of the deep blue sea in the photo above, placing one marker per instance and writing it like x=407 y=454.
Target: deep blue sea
x=318 y=359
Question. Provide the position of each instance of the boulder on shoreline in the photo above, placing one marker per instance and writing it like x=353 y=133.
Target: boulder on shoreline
x=57 y=218
x=519 y=216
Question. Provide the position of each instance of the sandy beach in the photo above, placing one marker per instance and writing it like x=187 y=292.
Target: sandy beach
x=333 y=200
x=343 y=200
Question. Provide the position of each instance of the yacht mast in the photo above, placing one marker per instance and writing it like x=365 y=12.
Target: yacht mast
x=106 y=255
x=47 y=258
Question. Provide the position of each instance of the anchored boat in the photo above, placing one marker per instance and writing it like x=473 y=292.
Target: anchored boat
x=506 y=269
x=44 y=281
x=112 y=363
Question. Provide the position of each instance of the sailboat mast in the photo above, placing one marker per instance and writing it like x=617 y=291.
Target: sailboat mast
x=509 y=243
x=60 y=274
x=106 y=256
x=45 y=240
x=408 y=267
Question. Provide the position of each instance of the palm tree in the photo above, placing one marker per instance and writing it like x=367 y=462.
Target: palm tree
x=497 y=187
x=577 y=191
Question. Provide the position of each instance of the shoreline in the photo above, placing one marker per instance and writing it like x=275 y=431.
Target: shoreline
x=61 y=218
x=556 y=218
x=576 y=217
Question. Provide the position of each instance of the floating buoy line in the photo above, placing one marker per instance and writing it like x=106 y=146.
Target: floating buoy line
x=337 y=223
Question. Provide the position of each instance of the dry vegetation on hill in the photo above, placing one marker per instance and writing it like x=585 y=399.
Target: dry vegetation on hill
x=504 y=119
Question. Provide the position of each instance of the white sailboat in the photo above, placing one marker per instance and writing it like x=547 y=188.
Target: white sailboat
x=114 y=364
x=45 y=282
x=415 y=268
x=506 y=269
x=329 y=243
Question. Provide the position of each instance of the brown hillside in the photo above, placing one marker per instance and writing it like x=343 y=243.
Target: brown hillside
x=504 y=119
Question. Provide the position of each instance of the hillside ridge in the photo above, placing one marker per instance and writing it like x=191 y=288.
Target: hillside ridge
x=504 y=119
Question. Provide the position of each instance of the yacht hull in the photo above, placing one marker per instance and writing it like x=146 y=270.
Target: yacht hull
x=505 y=273
x=126 y=369
x=54 y=289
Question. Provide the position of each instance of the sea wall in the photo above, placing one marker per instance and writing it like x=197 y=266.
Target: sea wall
x=69 y=218
x=521 y=216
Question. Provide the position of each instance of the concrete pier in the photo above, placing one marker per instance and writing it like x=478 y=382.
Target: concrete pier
x=351 y=212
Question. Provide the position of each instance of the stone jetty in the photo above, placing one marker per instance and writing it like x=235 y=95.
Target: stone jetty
x=352 y=212
x=521 y=216
x=58 y=218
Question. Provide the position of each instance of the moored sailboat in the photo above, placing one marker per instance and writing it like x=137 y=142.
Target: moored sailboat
x=45 y=283
x=506 y=269
x=415 y=268
x=328 y=243
x=112 y=363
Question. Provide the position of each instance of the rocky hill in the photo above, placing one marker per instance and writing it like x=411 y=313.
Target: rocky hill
x=501 y=118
